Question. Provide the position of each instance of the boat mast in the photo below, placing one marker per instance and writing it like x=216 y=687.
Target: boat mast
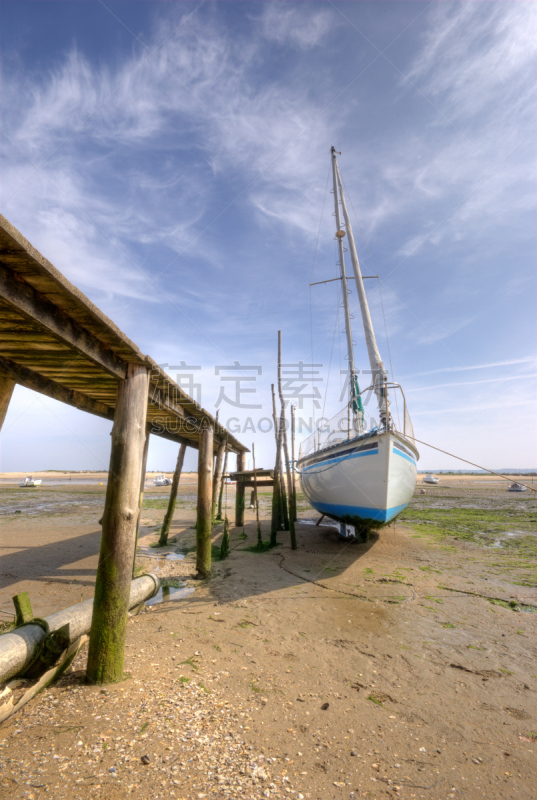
x=377 y=367
x=339 y=235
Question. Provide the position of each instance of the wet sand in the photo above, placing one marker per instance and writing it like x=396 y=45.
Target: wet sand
x=338 y=670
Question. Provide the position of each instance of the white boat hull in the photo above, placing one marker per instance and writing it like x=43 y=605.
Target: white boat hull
x=365 y=481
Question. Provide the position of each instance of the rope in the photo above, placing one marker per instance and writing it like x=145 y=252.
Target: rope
x=509 y=480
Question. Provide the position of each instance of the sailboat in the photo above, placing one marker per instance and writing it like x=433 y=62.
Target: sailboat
x=357 y=475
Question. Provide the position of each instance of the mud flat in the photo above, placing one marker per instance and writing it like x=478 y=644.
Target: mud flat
x=402 y=667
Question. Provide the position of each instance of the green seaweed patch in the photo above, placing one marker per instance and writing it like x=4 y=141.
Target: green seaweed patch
x=375 y=701
x=173 y=583
x=485 y=527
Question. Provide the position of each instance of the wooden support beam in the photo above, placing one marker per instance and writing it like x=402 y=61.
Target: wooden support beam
x=33 y=380
x=292 y=509
x=164 y=402
x=286 y=449
x=219 y=463
x=165 y=530
x=221 y=490
x=205 y=497
x=141 y=499
x=7 y=384
x=36 y=307
x=114 y=571
x=239 y=495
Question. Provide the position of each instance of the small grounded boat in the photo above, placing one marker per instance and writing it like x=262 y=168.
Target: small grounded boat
x=359 y=477
x=162 y=480
x=430 y=478
x=517 y=487
x=30 y=483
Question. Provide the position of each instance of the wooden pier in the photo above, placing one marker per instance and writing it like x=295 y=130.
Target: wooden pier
x=53 y=340
x=244 y=479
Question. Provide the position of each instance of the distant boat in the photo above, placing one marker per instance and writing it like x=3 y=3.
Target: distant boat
x=516 y=487
x=359 y=476
x=30 y=483
x=161 y=480
x=430 y=478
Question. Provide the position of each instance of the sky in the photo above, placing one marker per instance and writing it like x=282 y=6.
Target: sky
x=172 y=160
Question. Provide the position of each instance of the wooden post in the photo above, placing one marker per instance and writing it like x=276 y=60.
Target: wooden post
x=165 y=529
x=114 y=572
x=277 y=515
x=293 y=470
x=23 y=608
x=141 y=500
x=239 y=494
x=222 y=482
x=218 y=473
x=286 y=448
x=205 y=496
x=283 y=490
x=7 y=385
x=259 y=536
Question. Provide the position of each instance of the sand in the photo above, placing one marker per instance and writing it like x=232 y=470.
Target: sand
x=337 y=670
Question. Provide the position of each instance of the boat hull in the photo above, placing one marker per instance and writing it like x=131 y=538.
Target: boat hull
x=364 y=482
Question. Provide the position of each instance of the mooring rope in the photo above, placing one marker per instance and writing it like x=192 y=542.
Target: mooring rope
x=509 y=480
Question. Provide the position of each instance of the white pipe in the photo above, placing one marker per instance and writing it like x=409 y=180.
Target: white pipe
x=18 y=647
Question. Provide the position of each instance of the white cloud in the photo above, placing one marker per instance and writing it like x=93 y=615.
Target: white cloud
x=512 y=379
x=440 y=330
x=299 y=26
x=488 y=365
x=474 y=55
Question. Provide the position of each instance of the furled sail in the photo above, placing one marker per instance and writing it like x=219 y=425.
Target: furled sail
x=377 y=367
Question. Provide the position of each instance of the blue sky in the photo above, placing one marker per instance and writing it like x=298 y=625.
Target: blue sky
x=171 y=159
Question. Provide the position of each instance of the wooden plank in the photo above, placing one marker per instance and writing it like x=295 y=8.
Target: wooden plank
x=32 y=380
x=28 y=302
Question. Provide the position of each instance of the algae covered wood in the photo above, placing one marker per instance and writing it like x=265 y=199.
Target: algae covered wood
x=283 y=427
x=33 y=305
x=23 y=608
x=239 y=495
x=45 y=385
x=292 y=509
x=205 y=502
x=114 y=571
x=222 y=482
x=165 y=529
x=277 y=512
x=219 y=462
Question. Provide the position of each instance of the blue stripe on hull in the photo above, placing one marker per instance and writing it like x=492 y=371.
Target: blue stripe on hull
x=336 y=460
x=403 y=455
x=362 y=512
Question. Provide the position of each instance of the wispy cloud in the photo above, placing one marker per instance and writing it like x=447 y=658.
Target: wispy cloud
x=514 y=380
x=296 y=25
x=443 y=330
x=470 y=368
